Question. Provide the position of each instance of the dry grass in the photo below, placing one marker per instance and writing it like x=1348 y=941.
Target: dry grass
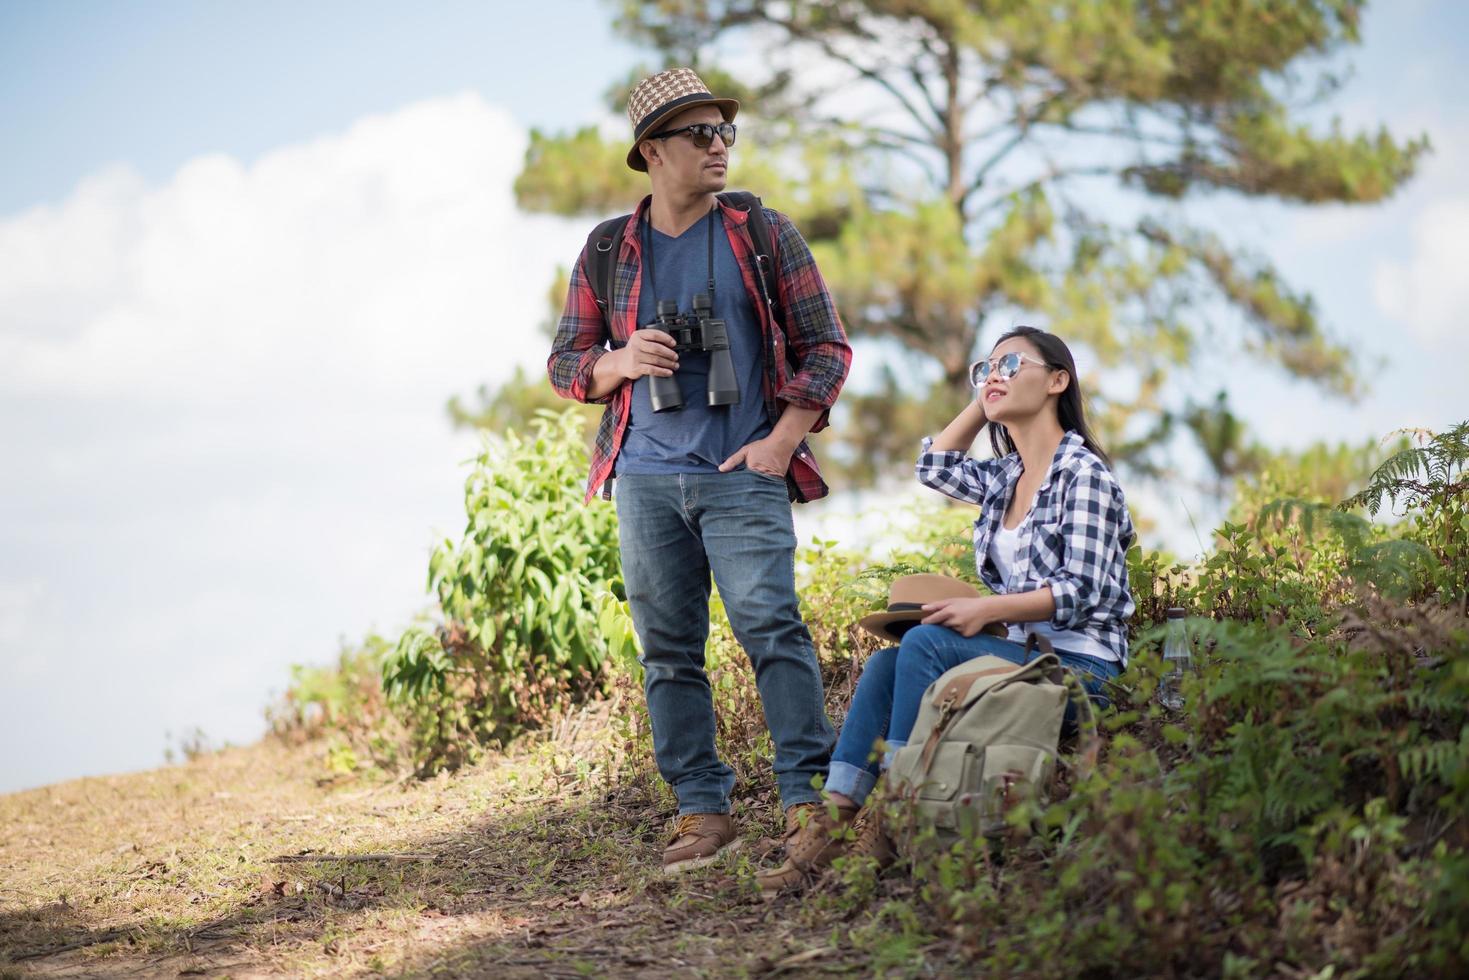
x=540 y=868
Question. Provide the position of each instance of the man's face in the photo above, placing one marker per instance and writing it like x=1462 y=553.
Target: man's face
x=679 y=165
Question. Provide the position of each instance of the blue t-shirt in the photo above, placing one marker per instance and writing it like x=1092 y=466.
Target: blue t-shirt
x=697 y=437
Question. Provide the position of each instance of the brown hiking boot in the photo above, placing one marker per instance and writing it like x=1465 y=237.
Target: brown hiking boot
x=813 y=840
x=698 y=839
x=795 y=818
x=853 y=833
x=869 y=840
x=810 y=828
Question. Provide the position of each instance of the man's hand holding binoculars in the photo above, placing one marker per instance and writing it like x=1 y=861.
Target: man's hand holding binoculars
x=649 y=352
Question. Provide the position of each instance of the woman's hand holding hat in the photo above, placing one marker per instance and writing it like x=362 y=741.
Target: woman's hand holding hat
x=965 y=616
x=910 y=597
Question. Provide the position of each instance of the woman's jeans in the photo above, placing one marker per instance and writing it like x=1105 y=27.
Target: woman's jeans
x=677 y=529
x=888 y=695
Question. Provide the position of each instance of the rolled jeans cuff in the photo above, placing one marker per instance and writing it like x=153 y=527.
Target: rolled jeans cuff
x=853 y=782
x=706 y=809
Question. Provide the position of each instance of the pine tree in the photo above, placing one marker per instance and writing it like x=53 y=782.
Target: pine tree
x=962 y=166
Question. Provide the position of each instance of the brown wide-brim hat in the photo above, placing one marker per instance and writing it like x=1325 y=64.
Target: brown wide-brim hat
x=907 y=595
x=658 y=98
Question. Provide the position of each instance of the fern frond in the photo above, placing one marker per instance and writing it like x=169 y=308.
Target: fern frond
x=1396 y=568
x=1437 y=761
x=1309 y=515
x=1416 y=473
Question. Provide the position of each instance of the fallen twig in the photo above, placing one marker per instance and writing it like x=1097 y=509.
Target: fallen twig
x=101 y=937
x=324 y=858
x=797 y=959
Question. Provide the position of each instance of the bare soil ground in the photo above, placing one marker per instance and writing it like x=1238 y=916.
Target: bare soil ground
x=531 y=866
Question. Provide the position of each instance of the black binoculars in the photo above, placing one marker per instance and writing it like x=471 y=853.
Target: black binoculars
x=695 y=333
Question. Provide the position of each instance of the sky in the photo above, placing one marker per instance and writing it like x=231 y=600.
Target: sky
x=247 y=252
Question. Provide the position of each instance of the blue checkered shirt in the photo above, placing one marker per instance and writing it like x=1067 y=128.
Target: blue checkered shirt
x=1075 y=540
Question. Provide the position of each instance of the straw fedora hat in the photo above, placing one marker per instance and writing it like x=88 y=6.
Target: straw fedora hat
x=906 y=597
x=661 y=96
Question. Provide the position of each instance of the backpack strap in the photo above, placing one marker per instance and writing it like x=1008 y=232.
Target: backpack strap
x=601 y=252
x=601 y=266
x=1034 y=641
x=759 y=228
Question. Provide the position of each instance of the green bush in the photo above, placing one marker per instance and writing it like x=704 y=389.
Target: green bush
x=1304 y=815
x=344 y=704
x=521 y=594
x=1431 y=483
x=1307 y=811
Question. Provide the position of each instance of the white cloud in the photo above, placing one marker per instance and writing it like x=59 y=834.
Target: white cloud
x=1419 y=279
x=1429 y=293
x=222 y=402
x=377 y=259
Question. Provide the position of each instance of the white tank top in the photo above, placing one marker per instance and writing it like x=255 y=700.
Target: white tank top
x=1002 y=552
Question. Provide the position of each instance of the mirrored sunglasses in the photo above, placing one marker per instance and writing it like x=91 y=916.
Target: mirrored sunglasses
x=1004 y=368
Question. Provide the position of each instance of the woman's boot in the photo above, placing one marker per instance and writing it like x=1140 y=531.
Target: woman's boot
x=812 y=845
x=853 y=833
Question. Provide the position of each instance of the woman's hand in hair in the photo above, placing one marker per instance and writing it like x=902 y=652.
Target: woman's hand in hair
x=964 y=616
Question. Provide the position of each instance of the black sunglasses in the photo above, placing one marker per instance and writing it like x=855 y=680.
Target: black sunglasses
x=701 y=133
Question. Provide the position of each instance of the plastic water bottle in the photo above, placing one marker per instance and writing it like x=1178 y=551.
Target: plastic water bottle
x=1177 y=660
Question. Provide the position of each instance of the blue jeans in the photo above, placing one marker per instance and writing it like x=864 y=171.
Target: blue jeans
x=677 y=529
x=891 y=688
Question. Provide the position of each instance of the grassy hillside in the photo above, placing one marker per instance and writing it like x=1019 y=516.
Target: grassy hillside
x=1304 y=814
x=531 y=869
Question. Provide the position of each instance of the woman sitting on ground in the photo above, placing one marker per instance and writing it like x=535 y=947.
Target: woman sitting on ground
x=1051 y=542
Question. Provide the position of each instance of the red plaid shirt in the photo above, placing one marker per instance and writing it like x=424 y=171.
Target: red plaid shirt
x=805 y=359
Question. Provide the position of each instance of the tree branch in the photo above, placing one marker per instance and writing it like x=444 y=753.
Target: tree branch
x=912 y=152
x=994 y=161
x=1122 y=132
x=1021 y=123
x=937 y=110
x=887 y=132
x=1055 y=175
x=870 y=74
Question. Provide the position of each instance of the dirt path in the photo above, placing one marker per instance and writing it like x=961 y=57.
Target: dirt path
x=535 y=869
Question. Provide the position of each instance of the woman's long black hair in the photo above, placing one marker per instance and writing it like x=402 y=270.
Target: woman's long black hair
x=1070 y=408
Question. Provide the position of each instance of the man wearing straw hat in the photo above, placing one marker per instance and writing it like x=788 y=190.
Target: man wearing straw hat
x=706 y=489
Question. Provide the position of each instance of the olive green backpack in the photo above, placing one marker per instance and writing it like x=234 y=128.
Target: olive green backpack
x=986 y=738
